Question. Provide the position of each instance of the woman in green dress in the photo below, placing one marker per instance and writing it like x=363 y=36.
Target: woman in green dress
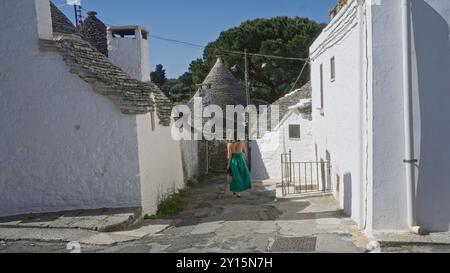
x=241 y=179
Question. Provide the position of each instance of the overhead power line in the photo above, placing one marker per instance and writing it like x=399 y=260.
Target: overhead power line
x=264 y=55
x=243 y=53
x=177 y=41
x=299 y=76
x=198 y=46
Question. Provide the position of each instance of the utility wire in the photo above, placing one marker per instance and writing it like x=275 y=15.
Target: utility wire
x=198 y=46
x=299 y=76
x=265 y=56
x=179 y=42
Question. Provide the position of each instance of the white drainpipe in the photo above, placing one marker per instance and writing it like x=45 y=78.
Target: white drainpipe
x=408 y=116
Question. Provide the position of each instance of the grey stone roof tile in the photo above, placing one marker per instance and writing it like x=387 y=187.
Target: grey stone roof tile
x=94 y=31
x=60 y=22
x=130 y=95
x=289 y=100
x=221 y=88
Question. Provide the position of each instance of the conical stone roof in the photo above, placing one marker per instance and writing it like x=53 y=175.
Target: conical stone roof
x=60 y=22
x=221 y=88
x=94 y=31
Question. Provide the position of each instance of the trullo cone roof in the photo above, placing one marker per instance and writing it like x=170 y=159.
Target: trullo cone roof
x=221 y=88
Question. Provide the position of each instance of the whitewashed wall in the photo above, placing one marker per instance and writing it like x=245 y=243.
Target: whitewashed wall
x=160 y=160
x=266 y=156
x=363 y=115
x=131 y=54
x=266 y=152
x=339 y=130
x=190 y=158
x=389 y=185
x=63 y=146
x=431 y=81
x=160 y=163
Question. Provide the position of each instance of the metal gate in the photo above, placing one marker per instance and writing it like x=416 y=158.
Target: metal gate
x=304 y=177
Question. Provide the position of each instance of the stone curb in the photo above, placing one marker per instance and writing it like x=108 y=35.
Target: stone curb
x=86 y=237
x=71 y=220
x=411 y=243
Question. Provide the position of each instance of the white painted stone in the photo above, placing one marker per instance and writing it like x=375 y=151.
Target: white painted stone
x=191 y=160
x=338 y=129
x=161 y=170
x=44 y=21
x=362 y=122
x=266 y=151
x=131 y=54
x=65 y=147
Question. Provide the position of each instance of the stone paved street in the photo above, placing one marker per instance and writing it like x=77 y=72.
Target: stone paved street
x=214 y=221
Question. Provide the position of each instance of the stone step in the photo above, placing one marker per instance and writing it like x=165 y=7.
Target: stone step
x=80 y=236
x=396 y=239
x=102 y=220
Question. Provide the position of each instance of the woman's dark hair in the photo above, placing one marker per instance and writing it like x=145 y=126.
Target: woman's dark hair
x=234 y=137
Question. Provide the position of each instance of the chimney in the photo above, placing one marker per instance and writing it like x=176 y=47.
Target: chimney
x=94 y=31
x=128 y=49
x=24 y=22
x=44 y=19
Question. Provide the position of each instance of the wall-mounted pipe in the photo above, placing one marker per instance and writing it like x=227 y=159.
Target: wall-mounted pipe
x=408 y=118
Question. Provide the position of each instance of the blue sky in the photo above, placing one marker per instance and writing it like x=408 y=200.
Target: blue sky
x=196 y=21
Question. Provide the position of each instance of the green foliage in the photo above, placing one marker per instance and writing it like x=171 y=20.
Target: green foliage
x=172 y=205
x=159 y=75
x=270 y=79
x=199 y=70
x=179 y=90
x=283 y=36
x=175 y=203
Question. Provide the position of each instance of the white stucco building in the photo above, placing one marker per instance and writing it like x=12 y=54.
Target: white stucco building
x=77 y=131
x=292 y=133
x=380 y=81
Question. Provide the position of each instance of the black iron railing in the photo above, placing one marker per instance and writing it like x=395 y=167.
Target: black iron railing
x=304 y=177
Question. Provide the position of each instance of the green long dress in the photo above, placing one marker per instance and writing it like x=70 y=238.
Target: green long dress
x=242 y=179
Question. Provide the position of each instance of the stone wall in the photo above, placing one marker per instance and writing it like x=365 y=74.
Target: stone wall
x=217 y=156
x=190 y=159
x=160 y=163
x=63 y=145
